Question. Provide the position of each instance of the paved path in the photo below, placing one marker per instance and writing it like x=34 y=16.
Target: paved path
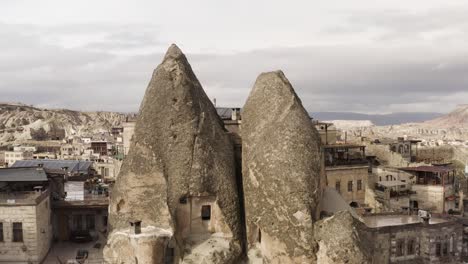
x=67 y=250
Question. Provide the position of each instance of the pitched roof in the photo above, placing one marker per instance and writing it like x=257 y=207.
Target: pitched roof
x=22 y=174
x=73 y=166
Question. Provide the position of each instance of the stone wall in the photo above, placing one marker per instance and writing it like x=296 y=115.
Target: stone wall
x=385 y=156
x=435 y=154
x=431 y=197
x=344 y=174
x=37 y=232
x=388 y=239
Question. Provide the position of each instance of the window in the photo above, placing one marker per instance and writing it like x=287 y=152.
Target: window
x=451 y=244
x=77 y=222
x=338 y=186
x=350 y=186
x=400 y=247
x=1 y=232
x=90 y=224
x=206 y=212
x=445 y=248
x=17 y=232
x=438 y=249
x=104 y=220
x=359 y=185
x=410 y=248
x=183 y=200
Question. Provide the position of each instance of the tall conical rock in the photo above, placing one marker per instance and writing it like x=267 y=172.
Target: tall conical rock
x=282 y=172
x=180 y=159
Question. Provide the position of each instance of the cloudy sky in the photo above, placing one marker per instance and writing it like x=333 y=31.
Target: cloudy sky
x=367 y=56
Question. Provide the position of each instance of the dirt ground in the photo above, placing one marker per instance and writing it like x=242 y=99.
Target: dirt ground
x=63 y=251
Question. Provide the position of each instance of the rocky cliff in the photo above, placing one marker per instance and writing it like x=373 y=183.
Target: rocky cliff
x=458 y=118
x=20 y=122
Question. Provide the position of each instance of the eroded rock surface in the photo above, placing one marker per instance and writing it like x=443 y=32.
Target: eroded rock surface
x=281 y=172
x=341 y=241
x=179 y=174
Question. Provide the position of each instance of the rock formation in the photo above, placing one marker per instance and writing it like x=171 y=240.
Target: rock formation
x=281 y=172
x=341 y=240
x=179 y=177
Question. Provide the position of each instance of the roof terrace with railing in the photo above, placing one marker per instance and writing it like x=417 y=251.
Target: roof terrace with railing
x=14 y=198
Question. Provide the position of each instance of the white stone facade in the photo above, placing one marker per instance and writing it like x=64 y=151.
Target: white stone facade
x=36 y=231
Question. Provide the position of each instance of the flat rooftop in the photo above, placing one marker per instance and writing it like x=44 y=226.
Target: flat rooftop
x=375 y=221
x=433 y=169
x=22 y=198
x=338 y=146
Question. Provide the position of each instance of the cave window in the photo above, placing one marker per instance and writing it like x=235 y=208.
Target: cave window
x=169 y=256
x=206 y=212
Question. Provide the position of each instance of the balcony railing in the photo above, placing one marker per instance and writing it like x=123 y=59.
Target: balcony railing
x=337 y=162
x=22 y=198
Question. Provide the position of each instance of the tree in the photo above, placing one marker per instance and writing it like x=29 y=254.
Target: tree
x=38 y=134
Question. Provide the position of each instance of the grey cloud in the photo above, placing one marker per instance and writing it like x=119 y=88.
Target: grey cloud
x=365 y=78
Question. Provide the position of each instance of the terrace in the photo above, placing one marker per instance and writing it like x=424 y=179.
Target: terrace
x=432 y=175
x=23 y=198
x=345 y=155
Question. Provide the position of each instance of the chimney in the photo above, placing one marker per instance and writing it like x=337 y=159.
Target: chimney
x=137 y=226
x=214 y=102
x=425 y=216
x=235 y=113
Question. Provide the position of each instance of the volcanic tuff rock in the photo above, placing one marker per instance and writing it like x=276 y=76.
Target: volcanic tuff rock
x=179 y=150
x=341 y=240
x=281 y=171
x=19 y=122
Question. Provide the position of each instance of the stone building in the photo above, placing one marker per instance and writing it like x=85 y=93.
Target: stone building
x=2 y=159
x=407 y=148
x=13 y=156
x=327 y=131
x=392 y=188
x=434 y=188
x=82 y=213
x=347 y=171
x=100 y=147
x=408 y=239
x=128 y=130
x=25 y=216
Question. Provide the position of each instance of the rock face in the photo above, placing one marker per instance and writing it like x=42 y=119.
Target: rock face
x=20 y=123
x=281 y=172
x=341 y=241
x=179 y=175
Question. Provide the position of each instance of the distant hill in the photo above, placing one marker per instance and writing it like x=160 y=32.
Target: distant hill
x=458 y=118
x=20 y=122
x=377 y=119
